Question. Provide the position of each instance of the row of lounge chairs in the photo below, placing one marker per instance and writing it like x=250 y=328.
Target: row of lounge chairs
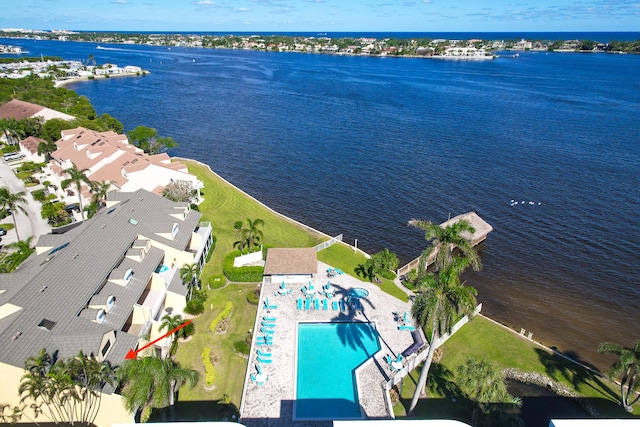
x=267 y=327
x=317 y=304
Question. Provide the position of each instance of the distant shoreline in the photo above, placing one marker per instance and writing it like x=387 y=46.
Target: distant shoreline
x=62 y=83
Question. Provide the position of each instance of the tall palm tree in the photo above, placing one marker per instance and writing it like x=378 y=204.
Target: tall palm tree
x=445 y=240
x=440 y=299
x=152 y=383
x=250 y=236
x=13 y=201
x=627 y=366
x=189 y=274
x=76 y=177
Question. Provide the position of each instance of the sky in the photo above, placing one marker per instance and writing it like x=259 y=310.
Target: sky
x=323 y=15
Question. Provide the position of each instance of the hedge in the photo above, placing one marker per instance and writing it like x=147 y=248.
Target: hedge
x=222 y=315
x=241 y=274
x=208 y=367
x=217 y=281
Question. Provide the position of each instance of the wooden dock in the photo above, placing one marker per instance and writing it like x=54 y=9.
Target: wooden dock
x=482 y=228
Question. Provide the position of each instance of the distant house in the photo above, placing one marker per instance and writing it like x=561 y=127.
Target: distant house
x=18 y=110
x=29 y=147
x=523 y=45
x=109 y=157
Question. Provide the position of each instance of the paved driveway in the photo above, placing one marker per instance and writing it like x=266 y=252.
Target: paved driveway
x=29 y=225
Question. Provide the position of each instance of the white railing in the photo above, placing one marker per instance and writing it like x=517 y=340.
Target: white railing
x=328 y=243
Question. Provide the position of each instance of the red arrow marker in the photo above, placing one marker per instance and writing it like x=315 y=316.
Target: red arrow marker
x=133 y=354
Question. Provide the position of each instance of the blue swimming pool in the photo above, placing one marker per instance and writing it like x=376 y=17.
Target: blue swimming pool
x=328 y=354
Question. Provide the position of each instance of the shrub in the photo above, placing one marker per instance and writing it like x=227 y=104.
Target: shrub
x=194 y=307
x=222 y=315
x=217 y=281
x=189 y=330
x=253 y=297
x=241 y=274
x=208 y=367
x=242 y=347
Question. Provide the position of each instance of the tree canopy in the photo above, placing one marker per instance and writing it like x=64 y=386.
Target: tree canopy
x=149 y=141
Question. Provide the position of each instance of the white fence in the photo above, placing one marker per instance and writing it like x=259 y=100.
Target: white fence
x=328 y=243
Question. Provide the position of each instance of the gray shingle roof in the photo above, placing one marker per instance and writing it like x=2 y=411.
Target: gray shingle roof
x=60 y=289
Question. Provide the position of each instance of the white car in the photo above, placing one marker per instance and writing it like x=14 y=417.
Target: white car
x=13 y=156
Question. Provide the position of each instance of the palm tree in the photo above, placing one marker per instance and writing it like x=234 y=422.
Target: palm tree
x=170 y=323
x=251 y=236
x=13 y=201
x=77 y=177
x=151 y=383
x=189 y=274
x=627 y=365
x=70 y=391
x=99 y=191
x=445 y=240
x=90 y=377
x=484 y=384
x=440 y=299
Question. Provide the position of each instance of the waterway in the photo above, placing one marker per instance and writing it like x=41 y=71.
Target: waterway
x=360 y=145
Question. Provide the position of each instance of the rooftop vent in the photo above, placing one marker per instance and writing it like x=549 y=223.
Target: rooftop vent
x=44 y=288
x=16 y=336
x=46 y=324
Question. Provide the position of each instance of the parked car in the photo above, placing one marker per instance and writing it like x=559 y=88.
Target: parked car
x=3 y=232
x=13 y=156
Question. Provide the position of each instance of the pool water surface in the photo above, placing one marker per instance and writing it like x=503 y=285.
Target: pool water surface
x=328 y=355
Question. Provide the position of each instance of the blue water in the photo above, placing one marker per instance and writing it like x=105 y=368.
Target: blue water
x=360 y=145
x=328 y=354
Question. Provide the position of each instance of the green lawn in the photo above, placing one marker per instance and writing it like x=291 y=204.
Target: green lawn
x=224 y=205
x=231 y=368
x=482 y=338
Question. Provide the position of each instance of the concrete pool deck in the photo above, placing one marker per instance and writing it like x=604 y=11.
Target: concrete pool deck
x=272 y=404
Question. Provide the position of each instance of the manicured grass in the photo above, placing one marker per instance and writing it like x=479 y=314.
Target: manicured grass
x=231 y=368
x=483 y=339
x=346 y=259
x=224 y=205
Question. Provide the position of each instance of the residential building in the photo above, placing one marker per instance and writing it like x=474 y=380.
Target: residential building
x=109 y=157
x=18 y=110
x=101 y=287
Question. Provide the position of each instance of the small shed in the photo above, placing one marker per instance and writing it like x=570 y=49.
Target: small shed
x=291 y=265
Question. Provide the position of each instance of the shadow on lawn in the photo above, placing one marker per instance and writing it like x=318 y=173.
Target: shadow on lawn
x=571 y=368
x=200 y=410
